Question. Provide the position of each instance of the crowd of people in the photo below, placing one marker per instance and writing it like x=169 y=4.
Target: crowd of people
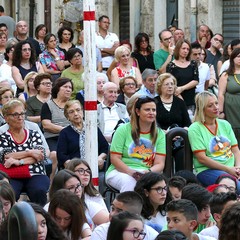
x=141 y=94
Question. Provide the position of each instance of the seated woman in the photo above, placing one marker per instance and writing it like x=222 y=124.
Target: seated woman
x=128 y=86
x=125 y=68
x=29 y=89
x=137 y=147
x=126 y=226
x=43 y=86
x=171 y=111
x=213 y=142
x=64 y=179
x=68 y=212
x=91 y=194
x=153 y=190
x=19 y=147
x=7 y=197
x=52 y=117
x=6 y=94
x=71 y=141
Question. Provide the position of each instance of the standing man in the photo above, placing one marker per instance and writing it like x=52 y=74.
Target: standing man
x=177 y=35
x=164 y=55
x=22 y=34
x=203 y=32
x=203 y=68
x=9 y=21
x=106 y=41
x=214 y=52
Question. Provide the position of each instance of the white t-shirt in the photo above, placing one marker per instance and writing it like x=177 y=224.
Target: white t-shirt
x=97 y=199
x=69 y=235
x=157 y=222
x=204 y=75
x=6 y=74
x=100 y=232
x=224 y=67
x=212 y=231
x=106 y=42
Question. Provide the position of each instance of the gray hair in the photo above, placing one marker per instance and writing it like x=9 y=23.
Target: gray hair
x=148 y=72
x=102 y=75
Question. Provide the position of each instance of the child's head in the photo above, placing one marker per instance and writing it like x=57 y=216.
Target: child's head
x=219 y=202
x=201 y=198
x=182 y=215
x=229 y=181
x=189 y=176
x=175 y=186
x=171 y=235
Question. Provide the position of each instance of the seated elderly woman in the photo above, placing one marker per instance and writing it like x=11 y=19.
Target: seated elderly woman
x=213 y=142
x=22 y=153
x=125 y=68
x=171 y=112
x=71 y=141
x=137 y=147
x=128 y=86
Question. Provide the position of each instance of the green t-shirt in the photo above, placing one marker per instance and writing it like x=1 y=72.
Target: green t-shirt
x=159 y=58
x=76 y=78
x=217 y=145
x=141 y=156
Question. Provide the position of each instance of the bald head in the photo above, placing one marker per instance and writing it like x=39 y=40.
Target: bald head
x=22 y=30
x=109 y=85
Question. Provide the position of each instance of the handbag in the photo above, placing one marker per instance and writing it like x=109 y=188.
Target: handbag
x=16 y=171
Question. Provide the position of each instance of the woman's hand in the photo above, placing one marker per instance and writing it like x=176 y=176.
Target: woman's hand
x=9 y=161
x=100 y=163
x=37 y=154
x=178 y=91
x=234 y=171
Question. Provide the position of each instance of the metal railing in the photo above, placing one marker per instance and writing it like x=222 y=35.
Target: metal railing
x=22 y=223
x=188 y=157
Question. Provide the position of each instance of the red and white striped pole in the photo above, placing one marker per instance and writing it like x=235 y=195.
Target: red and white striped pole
x=90 y=86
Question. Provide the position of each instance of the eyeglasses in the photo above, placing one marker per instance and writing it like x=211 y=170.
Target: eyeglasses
x=82 y=171
x=168 y=84
x=160 y=189
x=231 y=189
x=26 y=49
x=17 y=115
x=167 y=39
x=136 y=233
x=46 y=83
x=218 y=40
x=77 y=56
x=130 y=84
x=75 y=188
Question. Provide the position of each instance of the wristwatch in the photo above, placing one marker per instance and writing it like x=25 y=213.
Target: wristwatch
x=57 y=58
x=21 y=162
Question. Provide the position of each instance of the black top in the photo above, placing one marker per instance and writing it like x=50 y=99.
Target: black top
x=144 y=61
x=178 y=114
x=184 y=76
x=213 y=60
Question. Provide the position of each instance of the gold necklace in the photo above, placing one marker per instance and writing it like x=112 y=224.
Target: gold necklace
x=236 y=79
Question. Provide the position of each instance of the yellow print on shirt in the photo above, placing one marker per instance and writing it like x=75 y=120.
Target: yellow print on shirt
x=220 y=147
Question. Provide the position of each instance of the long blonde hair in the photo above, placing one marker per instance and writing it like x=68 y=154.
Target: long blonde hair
x=201 y=101
x=135 y=120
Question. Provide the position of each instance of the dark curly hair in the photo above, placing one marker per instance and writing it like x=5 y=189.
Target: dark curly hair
x=138 y=40
x=145 y=183
x=60 y=32
x=17 y=54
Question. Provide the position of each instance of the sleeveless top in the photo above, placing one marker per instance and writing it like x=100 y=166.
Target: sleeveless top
x=23 y=73
x=122 y=73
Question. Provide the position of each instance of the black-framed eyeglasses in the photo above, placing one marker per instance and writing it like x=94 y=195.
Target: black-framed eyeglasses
x=82 y=171
x=167 y=39
x=17 y=115
x=136 y=233
x=130 y=84
x=160 y=189
x=231 y=188
x=75 y=188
